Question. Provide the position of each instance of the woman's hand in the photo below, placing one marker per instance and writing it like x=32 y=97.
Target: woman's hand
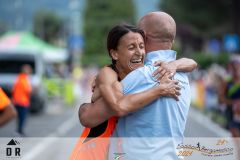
x=165 y=68
x=95 y=90
x=169 y=88
x=96 y=94
x=93 y=84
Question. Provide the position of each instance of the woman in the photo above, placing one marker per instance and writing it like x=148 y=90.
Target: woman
x=125 y=45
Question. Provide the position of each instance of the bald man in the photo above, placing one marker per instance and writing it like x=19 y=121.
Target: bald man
x=159 y=126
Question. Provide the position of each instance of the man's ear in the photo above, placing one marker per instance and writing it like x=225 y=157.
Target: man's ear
x=114 y=54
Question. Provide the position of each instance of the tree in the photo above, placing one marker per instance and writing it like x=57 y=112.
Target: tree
x=100 y=17
x=206 y=18
x=47 y=26
x=198 y=20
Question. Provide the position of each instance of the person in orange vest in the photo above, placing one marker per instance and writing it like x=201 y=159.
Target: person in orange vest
x=21 y=96
x=7 y=111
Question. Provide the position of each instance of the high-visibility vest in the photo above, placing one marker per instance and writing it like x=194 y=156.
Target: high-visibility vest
x=95 y=148
x=4 y=100
x=22 y=90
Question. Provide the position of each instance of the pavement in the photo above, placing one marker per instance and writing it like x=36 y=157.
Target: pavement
x=199 y=125
x=53 y=134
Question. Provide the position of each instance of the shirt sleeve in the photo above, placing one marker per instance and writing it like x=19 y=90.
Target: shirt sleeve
x=4 y=100
x=133 y=80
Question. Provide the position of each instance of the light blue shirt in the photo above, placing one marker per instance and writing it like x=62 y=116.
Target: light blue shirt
x=164 y=117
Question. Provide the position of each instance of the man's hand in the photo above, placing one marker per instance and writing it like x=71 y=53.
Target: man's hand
x=165 y=68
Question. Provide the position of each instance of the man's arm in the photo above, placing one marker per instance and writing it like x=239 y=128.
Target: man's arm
x=7 y=114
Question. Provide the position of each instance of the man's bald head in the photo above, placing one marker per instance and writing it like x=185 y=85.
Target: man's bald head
x=159 y=27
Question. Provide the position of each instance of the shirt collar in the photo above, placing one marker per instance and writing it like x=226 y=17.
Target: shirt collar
x=163 y=55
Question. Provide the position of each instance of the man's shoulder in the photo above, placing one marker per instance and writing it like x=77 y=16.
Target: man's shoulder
x=183 y=82
x=183 y=76
x=138 y=80
x=145 y=70
x=140 y=73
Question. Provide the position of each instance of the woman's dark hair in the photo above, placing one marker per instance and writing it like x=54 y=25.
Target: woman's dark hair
x=116 y=33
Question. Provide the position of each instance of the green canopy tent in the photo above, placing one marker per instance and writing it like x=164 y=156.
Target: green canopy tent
x=26 y=40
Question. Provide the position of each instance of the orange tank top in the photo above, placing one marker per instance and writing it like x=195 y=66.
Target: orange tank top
x=94 y=148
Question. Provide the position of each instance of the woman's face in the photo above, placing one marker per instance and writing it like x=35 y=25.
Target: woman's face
x=130 y=52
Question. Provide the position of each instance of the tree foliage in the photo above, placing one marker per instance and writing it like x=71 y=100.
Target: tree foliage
x=206 y=18
x=47 y=25
x=100 y=17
